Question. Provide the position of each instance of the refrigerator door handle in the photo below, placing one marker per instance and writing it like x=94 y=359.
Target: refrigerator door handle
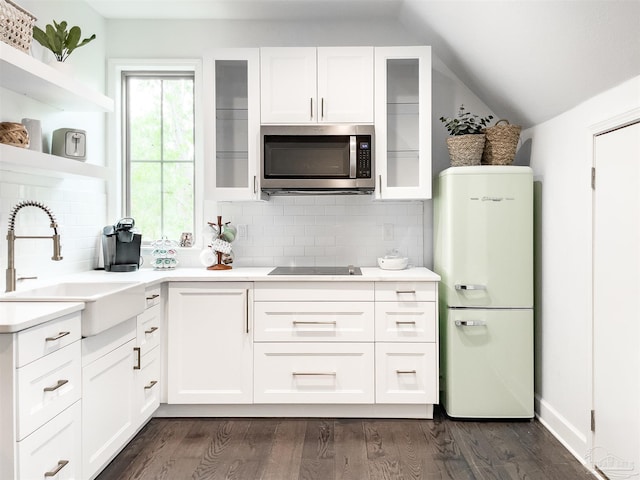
x=464 y=286
x=470 y=323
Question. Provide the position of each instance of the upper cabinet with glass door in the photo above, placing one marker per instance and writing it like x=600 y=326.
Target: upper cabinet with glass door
x=316 y=85
x=233 y=84
x=403 y=122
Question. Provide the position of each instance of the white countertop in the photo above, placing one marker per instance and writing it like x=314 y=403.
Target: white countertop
x=253 y=274
x=15 y=316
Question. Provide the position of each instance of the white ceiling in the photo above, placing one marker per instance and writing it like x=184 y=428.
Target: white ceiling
x=528 y=60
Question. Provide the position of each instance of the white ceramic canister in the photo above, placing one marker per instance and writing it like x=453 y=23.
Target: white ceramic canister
x=34 y=128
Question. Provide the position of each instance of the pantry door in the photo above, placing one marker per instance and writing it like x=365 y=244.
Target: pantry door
x=616 y=303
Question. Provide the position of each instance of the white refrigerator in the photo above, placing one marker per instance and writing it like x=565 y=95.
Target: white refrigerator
x=483 y=242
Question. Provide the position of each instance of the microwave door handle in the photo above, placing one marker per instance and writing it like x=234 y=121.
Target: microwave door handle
x=353 y=153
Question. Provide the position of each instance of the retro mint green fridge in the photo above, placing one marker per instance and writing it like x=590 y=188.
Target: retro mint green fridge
x=483 y=239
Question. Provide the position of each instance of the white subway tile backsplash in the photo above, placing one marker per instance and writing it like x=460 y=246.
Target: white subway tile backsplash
x=324 y=230
x=79 y=207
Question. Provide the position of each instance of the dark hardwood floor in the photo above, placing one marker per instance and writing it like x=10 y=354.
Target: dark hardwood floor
x=341 y=449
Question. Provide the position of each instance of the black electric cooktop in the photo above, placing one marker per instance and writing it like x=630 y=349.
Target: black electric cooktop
x=348 y=270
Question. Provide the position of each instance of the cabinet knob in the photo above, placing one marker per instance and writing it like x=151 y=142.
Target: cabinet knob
x=57 y=386
x=57 y=337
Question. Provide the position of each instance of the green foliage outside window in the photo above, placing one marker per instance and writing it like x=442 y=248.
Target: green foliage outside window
x=160 y=134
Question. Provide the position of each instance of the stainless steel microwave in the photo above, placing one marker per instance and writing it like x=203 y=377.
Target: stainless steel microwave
x=318 y=159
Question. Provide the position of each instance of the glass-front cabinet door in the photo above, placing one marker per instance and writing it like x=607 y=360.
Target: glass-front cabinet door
x=232 y=134
x=403 y=122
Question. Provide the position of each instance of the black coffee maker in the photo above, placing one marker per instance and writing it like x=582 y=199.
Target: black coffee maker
x=121 y=246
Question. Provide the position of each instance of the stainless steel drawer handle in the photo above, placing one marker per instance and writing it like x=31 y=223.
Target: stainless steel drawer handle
x=57 y=386
x=57 y=337
x=299 y=322
x=463 y=286
x=151 y=330
x=60 y=466
x=137 y=351
x=405 y=322
x=470 y=323
x=316 y=374
x=408 y=292
x=151 y=384
x=406 y=372
x=153 y=297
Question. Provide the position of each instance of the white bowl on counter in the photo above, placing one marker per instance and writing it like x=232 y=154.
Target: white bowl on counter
x=393 y=263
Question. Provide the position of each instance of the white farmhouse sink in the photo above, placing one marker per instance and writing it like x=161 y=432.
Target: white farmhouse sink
x=106 y=303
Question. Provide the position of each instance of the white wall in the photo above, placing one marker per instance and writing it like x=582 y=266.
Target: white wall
x=79 y=204
x=412 y=231
x=560 y=158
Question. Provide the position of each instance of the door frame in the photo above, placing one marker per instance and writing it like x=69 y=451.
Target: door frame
x=595 y=130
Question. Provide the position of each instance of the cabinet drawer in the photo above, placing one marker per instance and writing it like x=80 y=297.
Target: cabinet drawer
x=314 y=321
x=54 y=447
x=406 y=321
x=41 y=340
x=153 y=296
x=313 y=291
x=46 y=387
x=313 y=373
x=148 y=329
x=406 y=291
x=406 y=373
x=148 y=384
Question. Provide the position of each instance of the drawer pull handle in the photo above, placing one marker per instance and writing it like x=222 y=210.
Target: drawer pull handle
x=405 y=322
x=316 y=374
x=153 y=297
x=137 y=350
x=408 y=292
x=57 y=337
x=151 y=384
x=298 y=322
x=462 y=286
x=57 y=386
x=470 y=323
x=151 y=330
x=60 y=466
x=406 y=372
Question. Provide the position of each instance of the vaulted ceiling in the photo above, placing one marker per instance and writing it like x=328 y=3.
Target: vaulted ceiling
x=527 y=60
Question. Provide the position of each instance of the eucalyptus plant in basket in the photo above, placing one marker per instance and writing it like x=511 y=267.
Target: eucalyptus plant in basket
x=467 y=137
x=59 y=40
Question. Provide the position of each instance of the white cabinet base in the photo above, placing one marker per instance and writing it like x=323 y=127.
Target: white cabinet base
x=423 y=411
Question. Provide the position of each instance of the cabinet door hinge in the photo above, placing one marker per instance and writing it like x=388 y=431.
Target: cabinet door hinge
x=593 y=178
x=593 y=420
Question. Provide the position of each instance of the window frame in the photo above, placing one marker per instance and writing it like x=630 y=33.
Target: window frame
x=117 y=156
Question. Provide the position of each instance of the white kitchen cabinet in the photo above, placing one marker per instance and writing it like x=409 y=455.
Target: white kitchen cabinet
x=210 y=343
x=406 y=373
x=406 y=333
x=314 y=321
x=403 y=122
x=316 y=85
x=108 y=393
x=316 y=373
x=40 y=400
x=232 y=87
x=147 y=362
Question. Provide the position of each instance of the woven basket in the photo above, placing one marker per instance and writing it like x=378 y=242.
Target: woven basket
x=14 y=134
x=502 y=142
x=16 y=25
x=465 y=150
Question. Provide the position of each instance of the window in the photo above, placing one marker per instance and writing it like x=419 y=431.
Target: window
x=159 y=151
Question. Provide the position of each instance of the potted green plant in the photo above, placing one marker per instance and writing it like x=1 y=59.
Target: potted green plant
x=60 y=40
x=466 y=142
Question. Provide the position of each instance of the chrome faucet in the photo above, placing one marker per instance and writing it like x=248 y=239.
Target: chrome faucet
x=11 y=240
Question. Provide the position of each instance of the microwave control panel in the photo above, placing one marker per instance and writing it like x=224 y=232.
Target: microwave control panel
x=363 y=161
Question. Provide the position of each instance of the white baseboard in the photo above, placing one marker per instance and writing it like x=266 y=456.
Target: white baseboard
x=566 y=433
